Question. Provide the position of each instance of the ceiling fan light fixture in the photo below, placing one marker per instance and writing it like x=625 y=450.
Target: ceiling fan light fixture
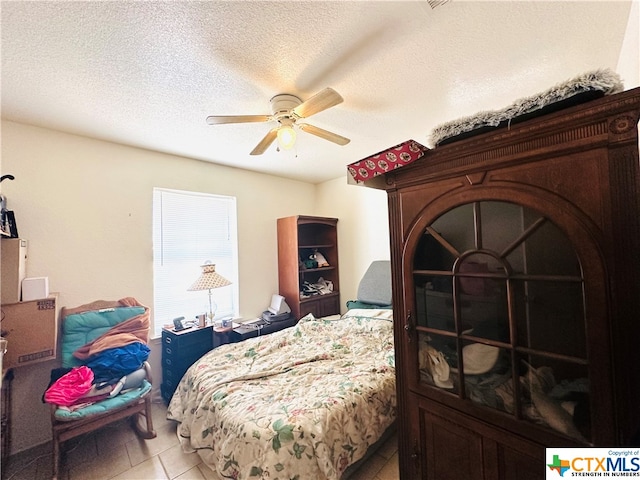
x=287 y=109
x=286 y=137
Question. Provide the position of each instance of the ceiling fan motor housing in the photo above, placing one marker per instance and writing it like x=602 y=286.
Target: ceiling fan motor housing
x=283 y=104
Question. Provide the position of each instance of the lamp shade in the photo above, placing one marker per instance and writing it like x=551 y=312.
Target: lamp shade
x=286 y=136
x=209 y=278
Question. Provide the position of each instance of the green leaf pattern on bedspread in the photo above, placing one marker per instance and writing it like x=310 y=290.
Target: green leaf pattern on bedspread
x=302 y=403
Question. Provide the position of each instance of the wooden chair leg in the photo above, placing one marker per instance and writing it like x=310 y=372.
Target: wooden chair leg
x=56 y=456
x=148 y=432
x=147 y=402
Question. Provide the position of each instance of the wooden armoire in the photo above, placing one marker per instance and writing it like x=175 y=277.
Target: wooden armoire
x=516 y=288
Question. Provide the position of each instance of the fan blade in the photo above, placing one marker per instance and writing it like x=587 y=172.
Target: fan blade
x=265 y=142
x=319 y=132
x=320 y=101
x=220 y=119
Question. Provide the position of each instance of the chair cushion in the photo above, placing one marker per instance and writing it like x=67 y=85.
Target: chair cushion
x=81 y=328
x=375 y=285
x=103 y=406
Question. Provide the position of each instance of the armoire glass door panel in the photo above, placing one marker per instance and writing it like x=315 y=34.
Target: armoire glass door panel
x=434 y=301
x=456 y=227
x=487 y=376
x=548 y=251
x=485 y=316
x=500 y=223
x=504 y=282
x=550 y=316
x=436 y=355
x=482 y=305
x=555 y=394
x=432 y=255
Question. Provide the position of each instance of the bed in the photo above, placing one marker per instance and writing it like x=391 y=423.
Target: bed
x=306 y=402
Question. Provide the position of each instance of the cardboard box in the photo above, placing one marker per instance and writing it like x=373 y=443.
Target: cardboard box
x=31 y=330
x=385 y=161
x=13 y=268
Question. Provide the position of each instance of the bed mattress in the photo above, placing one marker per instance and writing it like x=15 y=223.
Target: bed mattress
x=305 y=402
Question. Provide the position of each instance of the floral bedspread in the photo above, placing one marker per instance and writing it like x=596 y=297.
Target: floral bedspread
x=302 y=403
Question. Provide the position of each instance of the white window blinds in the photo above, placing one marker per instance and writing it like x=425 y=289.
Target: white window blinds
x=190 y=228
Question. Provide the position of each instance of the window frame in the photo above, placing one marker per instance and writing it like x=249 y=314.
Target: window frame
x=187 y=231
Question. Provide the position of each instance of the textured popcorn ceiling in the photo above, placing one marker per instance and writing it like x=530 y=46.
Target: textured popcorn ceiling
x=148 y=73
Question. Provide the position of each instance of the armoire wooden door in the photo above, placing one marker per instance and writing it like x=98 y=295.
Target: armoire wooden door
x=515 y=262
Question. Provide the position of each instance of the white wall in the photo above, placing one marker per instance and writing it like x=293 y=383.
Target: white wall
x=629 y=62
x=85 y=206
x=363 y=229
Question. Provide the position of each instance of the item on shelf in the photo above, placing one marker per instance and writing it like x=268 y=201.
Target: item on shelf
x=321 y=287
x=319 y=258
x=436 y=365
x=13 y=254
x=34 y=288
x=310 y=263
x=584 y=87
x=8 y=227
x=385 y=161
x=478 y=358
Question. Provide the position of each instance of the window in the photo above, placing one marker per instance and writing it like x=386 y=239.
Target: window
x=190 y=228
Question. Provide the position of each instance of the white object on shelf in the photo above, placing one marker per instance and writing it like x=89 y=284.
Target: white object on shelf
x=35 y=288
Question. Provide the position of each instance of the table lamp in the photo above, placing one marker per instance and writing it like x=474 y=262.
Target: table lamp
x=208 y=280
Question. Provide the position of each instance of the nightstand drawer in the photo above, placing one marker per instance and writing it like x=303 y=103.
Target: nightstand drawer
x=179 y=351
x=177 y=364
x=183 y=354
x=166 y=393
x=187 y=338
x=169 y=379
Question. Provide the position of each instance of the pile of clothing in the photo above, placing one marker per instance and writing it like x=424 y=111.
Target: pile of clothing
x=110 y=364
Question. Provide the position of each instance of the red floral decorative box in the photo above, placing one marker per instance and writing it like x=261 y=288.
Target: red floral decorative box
x=386 y=160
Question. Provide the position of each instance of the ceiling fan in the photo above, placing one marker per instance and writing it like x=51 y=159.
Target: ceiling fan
x=287 y=109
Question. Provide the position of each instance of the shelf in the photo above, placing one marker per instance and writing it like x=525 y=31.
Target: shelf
x=316 y=297
x=298 y=238
x=319 y=269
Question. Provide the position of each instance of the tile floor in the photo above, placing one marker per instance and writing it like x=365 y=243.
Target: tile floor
x=115 y=452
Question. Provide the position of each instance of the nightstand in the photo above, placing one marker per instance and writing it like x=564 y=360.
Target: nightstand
x=260 y=328
x=221 y=336
x=179 y=351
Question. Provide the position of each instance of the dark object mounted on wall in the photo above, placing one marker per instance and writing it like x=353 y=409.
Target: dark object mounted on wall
x=8 y=227
x=7 y=220
x=11 y=224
